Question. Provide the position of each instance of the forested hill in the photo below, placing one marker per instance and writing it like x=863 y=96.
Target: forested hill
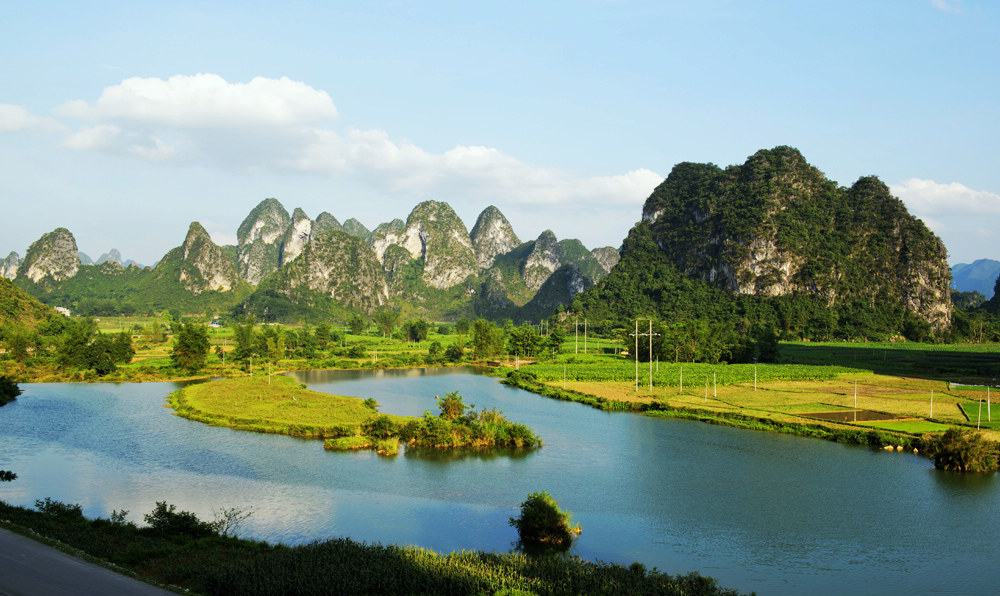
x=774 y=244
x=19 y=309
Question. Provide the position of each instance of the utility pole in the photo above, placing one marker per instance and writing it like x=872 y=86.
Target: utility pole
x=637 y=335
x=651 y=353
x=585 y=336
x=576 y=336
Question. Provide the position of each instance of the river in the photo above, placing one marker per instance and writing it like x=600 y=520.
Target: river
x=758 y=511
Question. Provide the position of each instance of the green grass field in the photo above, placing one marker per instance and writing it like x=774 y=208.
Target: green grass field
x=279 y=405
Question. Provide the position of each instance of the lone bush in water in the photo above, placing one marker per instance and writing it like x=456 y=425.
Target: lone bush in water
x=963 y=450
x=543 y=523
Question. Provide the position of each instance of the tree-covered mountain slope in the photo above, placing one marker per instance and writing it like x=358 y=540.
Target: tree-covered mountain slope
x=776 y=243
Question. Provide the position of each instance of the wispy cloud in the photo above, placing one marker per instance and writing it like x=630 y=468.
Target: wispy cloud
x=933 y=198
x=953 y=6
x=285 y=125
x=14 y=118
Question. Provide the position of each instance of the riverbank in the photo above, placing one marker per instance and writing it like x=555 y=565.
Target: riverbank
x=801 y=408
x=225 y=565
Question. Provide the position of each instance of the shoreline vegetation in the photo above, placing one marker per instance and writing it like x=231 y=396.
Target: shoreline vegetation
x=280 y=405
x=178 y=551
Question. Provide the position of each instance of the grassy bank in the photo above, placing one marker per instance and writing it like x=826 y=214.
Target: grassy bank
x=281 y=405
x=790 y=407
x=213 y=564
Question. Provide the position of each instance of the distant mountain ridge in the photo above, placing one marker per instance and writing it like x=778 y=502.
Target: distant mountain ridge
x=290 y=265
x=979 y=276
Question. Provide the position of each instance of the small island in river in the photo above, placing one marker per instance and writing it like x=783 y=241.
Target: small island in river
x=281 y=405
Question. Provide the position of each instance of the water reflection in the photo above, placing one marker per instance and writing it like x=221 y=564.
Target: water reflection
x=773 y=513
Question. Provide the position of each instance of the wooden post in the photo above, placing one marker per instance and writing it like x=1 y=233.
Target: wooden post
x=680 y=388
x=932 y=404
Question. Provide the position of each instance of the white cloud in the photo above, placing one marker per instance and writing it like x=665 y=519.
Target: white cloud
x=280 y=124
x=929 y=197
x=13 y=118
x=97 y=137
x=954 y=6
x=207 y=101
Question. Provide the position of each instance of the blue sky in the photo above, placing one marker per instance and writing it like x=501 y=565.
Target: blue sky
x=125 y=121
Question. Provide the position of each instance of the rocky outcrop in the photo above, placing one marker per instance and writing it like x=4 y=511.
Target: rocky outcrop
x=201 y=264
x=607 y=257
x=357 y=229
x=777 y=226
x=491 y=236
x=559 y=289
x=338 y=265
x=9 y=266
x=112 y=255
x=326 y=223
x=53 y=256
x=542 y=261
x=435 y=234
x=259 y=237
x=295 y=238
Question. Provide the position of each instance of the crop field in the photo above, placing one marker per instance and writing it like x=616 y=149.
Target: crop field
x=826 y=380
x=958 y=363
x=610 y=368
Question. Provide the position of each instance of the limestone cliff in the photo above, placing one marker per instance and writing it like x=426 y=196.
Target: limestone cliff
x=338 y=265
x=607 y=257
x=491 y=236
x=9 y=266
x=200 y=264
x=52 y=257
x=776 y=226
x=295 y=238
x=259 y=237
x=435 y=234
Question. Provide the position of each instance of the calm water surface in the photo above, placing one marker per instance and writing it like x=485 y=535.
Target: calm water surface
x=771 y=513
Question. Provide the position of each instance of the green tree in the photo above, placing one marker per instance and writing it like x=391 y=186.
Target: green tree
x=451 y=405
x=455 y=351
x=322 y=335
x=276 y=347
x=417 y=330
x=543 y=523
x=487 y=339
x=122 y=351
x=357 y=324
x=462 y=326
x=962 y=449
x=523 y=341
x=190 y=347
x=385 y=320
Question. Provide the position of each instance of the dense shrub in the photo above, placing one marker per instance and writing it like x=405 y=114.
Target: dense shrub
x=166 y=520
x=543 y=523
x=962 y=449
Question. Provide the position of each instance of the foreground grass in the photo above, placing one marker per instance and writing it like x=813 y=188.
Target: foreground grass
x=224 y=566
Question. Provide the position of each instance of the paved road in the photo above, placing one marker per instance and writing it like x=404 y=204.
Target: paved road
x=29 y=568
